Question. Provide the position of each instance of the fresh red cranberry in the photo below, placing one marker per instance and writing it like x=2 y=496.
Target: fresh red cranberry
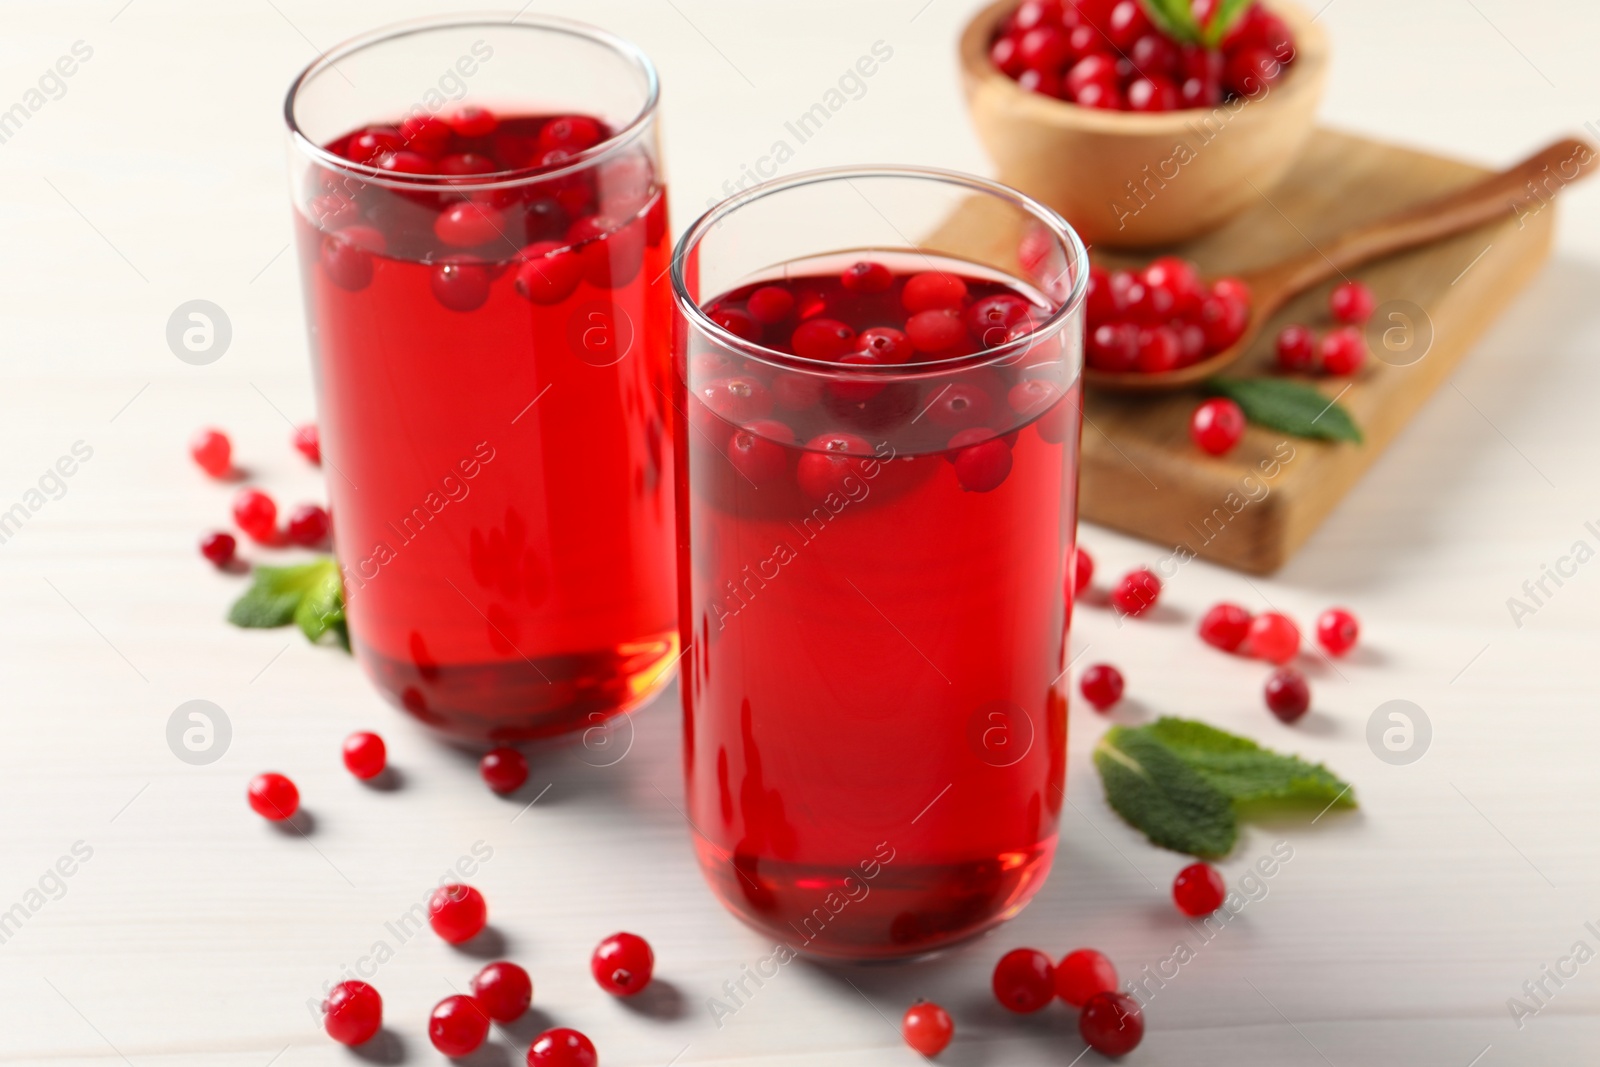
x=1178 y=280
x=1100 y=95
x=307 y=525
x=1114 y=347
x=737 y=399
x=1199 y=92
x=1272 y=637
x=425 y=135
x=856 y=390
x=353 y=1013
x=1251 y=71
x=1342 y=351
x=461 y=284
x=550 y=272
x=866 y=277
x=1158 y=349
x=1137 y=592
x=958 y=405
x=466 y=164
x=1297 y=349
x=756 y=452
x=1127 y=24
x=796 y=392
x=1217 y=425
x=308 y=442
x=213 y=451
x=256 y=514
x=467 y=223
x=737 y=322
x=1225 y=627
x=1288 y=695
x=994 y=320
x=458 y=1025
x=373 y=142
x=770 y=304
x=1099 y=305
x=1044 y=48
x=1095 y=69
x=471 y=121
x=1082 y=570
x=365 y=755
x=1337 y=631
x=823 y=339
x=622 y=964
x=830 y=462
x=274 y=797
x=1154 y=54
x=1223 y=317
x=457 y=913
x=404 y=161
x=219 y=548
x=1043 y=82
x=1024 y=980
x=1005 y=55
x=983 y=466
x=1087 y=40
x=886 y=343
x=1152 y=94
x=1352 y=302
x=504 y=990
x=346 y=256
x=927 y=1028
x=1111 y=1024
x=1031 y=13
x=1101 y=685
x=504 y=769
x=1198 y=890
x=1191 y=342
x=1033 y=396
x=562 y=1047
x=932 y=332
x=933 y=291
x=574 y=133
x=1081 y=974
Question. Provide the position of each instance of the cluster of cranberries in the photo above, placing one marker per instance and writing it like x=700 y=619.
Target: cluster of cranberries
x=1161 y=318
x=254 y=511
x=1026 y=980
x=1108 y=54
x=1339 y=351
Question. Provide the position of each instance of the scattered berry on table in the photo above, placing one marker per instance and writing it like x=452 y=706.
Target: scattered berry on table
x=1111 y=1024
x=1288 y=696
x=1225 y=627
x=457 y=913
x=1137 y=592
x=213 y=451
x=1024 y=980
x=1297 y=349
x=1272 y=637
x=1352 y=302
x=308 y=525
x=1337 y=631
x=307 y=441
x=927 y=1028
x=353 y=1013
x=562 y=1047
x=365 y=755
x=1082 y=570
x=504 y=989
x=1198 y=890
x=256 y=514
x=219 y=548
x=623 y=964
x=1081 y=974
x=274 y=797
x=1101 y=685
x=1217 y=425
x=458 y=1025
x=504 y=769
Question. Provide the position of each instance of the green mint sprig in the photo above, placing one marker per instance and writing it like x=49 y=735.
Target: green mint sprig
x=1175 y=18
x=309 y=595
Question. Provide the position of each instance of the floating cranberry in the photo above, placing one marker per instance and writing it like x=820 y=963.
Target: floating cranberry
x=1101 y=685
x=219 y=548
x=346 y=256
x=458 y=1025
x=504 y=990
x=994 y=320
x=1217 y=425
x=1352 y=302
x=933 y=291
x=573 y=133
x=1287 y=694
x=1272 y=637
x=1297 y=349
x=461 y=285
x=737 y=399
x=1225 y=627
x=1114 y=347
x=1024 y=980
x=471 y=121
x=927 y=1028
x=756 y=453
x=405 y=161
x=1137 y=592
x=1033 y=396
x=937 y=331
x=1337 y=631
x=622 y=964
x=1198 y=890
x=550 y=272
x=770 y=304
x=829 y=463
x=373 y=142
x=308 y=442
x=981 y=467
x=466 y=164
x=866 y=277
x=365 y=755
x=457 y=913
x=888 y=344
x=562 y=1047
x=273 y=797
x=353 y=1013
x=308 y=525
x=1082 y=570
x=256 y=514
x=796 y=392
x=467 y=224
x=737 y=322
x=425 y=135
x=504 y=769
x=823 y=339
x=213 y=451
x=856 y=390
x=1342 y=351
x=958 y=405
x=1111 y=1024
x=1081 y=974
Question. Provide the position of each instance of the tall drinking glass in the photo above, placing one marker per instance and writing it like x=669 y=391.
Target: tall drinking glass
x=482 y=234
x=878 y=371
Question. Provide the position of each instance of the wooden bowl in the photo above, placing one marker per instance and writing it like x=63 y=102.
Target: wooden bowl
x=1130 y=179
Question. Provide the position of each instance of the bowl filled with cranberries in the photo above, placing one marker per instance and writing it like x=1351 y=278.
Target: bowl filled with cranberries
x=1144 y=122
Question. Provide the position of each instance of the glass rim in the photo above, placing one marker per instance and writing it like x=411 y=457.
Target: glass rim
x=1052 y=220
x=580 y=161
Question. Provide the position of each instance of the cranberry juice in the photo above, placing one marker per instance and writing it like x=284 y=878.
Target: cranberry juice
x=489 y=329
x=873 y=599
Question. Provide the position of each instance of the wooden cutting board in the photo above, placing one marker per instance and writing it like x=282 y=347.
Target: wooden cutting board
x=1252 y=508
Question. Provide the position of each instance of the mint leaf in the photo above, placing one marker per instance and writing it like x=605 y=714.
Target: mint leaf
x=309 y=595
x=1161 y=796
x=1175 y=18
x=321 y=610
x=1246 y=773
x=1227 y=13
x=1288 y=406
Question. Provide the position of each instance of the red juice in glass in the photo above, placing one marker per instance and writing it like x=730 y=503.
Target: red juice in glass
x=876 y=519
x=489 y=317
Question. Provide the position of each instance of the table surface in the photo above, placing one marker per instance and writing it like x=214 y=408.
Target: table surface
x=191 y=933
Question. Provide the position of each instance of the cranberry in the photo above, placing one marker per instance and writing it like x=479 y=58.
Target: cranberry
x=213 y=451
x=1152 y=94
x=308 y=442
x=1251 y=71
x=426 y=135
x=1337 y=631
x=1003 y=54
x=1114 y=347
x=457 y=913
x=796 y=392
x=1157 y=349
x=504 y=769
x=1297 y=349
x=866 y=277
x=1032 y=396
x=1178 y=280
x=622 y=964
x=346 y=256
x=1102 y=96
x=1288 y=695
x=458 y=1025
x=1272 y=637
x=1217 y=425
x=471 y=121
x=1137 y=592
x=1191 y=342
x=1101 y=685
x=1081 y=974
x=935 y=331
x=1044 y=48
x=1127 y=24
x=1111 y=1024
x=1224 y=319
x=1033 y=13
x=1198 y=890
x=467 y=223
x=1082 y=570
x=1086 y=41
x=1024 y=980
x=365 y=755
x=504 y=990
x=983 y=466
x=353 y=1013
x=933 y=291
x=1225 y=626
x=308 y=525
x=856 y=390
x=829 y=462
x=466 y=164
x=1099 y=305
x=755 y=451
x=770 y=304
x=256 y=514
x=994 y=320
x=737 y=399
x=1352 y=302
x=1199 y=92
x=219 y=548
x=1043 y=82
x=373 y=142
x=823 y=339
x=562 y=1047
x=739 y=323
x=1153 y=55
x=460 y=285
x=886 y=343
x=573 y=133
x=927 y=1028
x=550 y=273
x=405 y=161
x=1091 y=70
x=1342 y=351
x=273 y=797
x=958 y=405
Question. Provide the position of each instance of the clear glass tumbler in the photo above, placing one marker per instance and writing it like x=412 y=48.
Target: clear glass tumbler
x=482 y=233
x=878 y=371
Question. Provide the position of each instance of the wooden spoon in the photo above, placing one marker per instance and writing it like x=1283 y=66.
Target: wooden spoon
x=1527 y=186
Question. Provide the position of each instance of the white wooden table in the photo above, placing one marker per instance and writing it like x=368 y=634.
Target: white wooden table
x=194 y=934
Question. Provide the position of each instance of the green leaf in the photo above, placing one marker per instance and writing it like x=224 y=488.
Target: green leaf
x=1227 y=13
x=1161 y=796
x=321 y=610
x=1288 y=406
x=309 y=595
x=1175 y=18
x=1246 y=773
